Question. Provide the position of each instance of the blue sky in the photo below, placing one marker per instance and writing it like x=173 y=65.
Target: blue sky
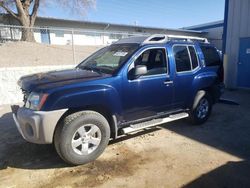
x=154 y=13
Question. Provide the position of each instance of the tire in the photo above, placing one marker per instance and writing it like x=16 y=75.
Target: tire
x=81 y=137
x=201 y=110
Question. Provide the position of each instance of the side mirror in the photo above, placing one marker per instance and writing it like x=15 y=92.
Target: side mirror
x=140 y=70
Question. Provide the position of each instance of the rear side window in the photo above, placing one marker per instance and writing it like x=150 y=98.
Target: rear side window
x=182 y=59
x=193 y=57
x=211 y=56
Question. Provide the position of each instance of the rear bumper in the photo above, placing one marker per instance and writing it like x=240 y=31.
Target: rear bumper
x=36 y=126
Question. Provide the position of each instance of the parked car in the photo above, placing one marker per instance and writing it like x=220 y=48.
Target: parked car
x=133 y=84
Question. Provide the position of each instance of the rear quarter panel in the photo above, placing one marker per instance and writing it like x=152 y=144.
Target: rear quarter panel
x=205 y=78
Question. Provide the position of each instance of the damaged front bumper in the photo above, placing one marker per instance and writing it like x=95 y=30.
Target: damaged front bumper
x=36 y=126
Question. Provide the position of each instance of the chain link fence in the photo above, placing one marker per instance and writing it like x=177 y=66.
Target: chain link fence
x=58 y=37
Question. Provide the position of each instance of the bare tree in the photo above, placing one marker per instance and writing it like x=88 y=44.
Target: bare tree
x=25 y=11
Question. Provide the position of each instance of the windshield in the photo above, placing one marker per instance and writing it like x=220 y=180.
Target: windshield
x=109 y=59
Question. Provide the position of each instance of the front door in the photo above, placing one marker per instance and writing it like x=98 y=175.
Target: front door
x=150 y=94
x=244 y=63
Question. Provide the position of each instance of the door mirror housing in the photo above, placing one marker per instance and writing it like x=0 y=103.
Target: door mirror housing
x=140 y=70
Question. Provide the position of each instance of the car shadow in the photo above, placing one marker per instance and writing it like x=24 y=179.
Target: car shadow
x=15 y=152
x=230 y=175
x=230 y=139
x=227 y=129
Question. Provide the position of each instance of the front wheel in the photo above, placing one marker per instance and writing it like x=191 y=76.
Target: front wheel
x=201 y=112
x=82 y=137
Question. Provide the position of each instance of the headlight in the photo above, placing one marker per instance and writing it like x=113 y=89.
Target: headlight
x=35 y=101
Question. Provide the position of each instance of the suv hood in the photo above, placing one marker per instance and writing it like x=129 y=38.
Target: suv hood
x=57 y=78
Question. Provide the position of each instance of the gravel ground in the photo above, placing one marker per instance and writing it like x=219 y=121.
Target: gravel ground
x=177 y=154
x=19 y=54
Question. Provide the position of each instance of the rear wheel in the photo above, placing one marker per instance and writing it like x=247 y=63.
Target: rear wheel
x=82 y=137
x=201 y=112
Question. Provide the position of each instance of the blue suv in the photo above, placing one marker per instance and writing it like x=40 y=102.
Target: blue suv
x=133 y=84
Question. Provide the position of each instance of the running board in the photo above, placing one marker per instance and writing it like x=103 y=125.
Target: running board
x=154 y=122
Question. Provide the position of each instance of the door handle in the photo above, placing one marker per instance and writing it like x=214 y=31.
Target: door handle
x=168 y=82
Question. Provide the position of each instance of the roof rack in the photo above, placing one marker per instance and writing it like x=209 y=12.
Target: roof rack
x=161 y=38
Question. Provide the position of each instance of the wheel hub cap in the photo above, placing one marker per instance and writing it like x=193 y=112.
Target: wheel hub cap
x=86 y=139
x=202 y=108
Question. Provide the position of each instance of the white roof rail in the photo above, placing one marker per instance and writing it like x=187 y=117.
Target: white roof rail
x=161 y=38
x=188 y=38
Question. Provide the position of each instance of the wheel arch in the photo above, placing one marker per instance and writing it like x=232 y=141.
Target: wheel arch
x=111 y=118
x=202 y=92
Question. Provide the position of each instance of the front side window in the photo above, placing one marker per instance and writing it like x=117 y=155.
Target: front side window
x=154 y=60
x=182 y=59
x=109 y=59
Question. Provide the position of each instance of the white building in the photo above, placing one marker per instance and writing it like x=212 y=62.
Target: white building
x=59 y=31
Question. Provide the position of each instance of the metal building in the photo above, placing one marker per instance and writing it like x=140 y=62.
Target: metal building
x=232 y=36
x=236 y=43
x=213 y=31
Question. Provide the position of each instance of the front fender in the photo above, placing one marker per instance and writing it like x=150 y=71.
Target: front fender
x=80 y=97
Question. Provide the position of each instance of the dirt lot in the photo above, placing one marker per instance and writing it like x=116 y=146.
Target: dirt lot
x=16 y=54
x=215 y=154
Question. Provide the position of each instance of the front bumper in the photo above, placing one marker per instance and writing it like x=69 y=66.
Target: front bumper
x=36 y=126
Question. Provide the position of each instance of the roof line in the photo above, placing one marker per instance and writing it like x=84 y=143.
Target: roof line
x=208 y=25
x=123 y=25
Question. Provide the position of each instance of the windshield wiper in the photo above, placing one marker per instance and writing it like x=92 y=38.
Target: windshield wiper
x=106 y=67
x=91 y=68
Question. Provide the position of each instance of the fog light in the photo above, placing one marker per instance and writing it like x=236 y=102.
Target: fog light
x=29 y=130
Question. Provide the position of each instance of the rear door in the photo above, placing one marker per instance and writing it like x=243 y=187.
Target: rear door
x=187 y=65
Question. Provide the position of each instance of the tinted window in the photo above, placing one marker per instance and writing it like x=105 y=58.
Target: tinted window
x=182 y=59
x=193 y=57
x=154 y=59
x=211 y=56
